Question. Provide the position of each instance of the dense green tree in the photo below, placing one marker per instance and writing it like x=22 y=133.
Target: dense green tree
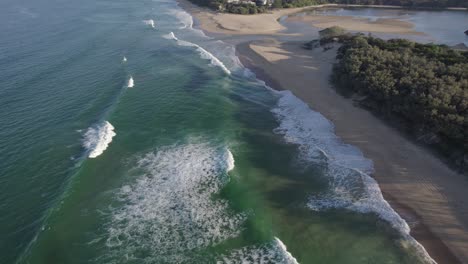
x=423 y=86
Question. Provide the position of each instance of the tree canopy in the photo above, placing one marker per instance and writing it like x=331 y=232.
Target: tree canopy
x=425 y=86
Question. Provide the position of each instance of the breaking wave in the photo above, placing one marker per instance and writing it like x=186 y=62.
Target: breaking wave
x=97 y=139
x=203 y=52
x=149 y=22
x=170 y=36
x=130 y=82
x=185 y=18
x=169 y=211
x=274 y=252
x=347 y=170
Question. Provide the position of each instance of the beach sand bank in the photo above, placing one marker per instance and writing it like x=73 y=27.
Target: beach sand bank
x=391 y=26
x=422 y=189
x=268 y=24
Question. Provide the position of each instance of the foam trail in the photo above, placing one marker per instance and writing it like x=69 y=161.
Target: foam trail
x=97 y=139
x=170 y=207
x=149 y=22
x=203 y=52
x=130 y=82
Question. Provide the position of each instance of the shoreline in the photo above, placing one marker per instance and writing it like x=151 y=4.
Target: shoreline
x=407 y=182
x=420 y=188
x=268 y=23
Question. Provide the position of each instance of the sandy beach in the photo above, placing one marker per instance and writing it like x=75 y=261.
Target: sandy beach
x=267 y=23
x=422 y=189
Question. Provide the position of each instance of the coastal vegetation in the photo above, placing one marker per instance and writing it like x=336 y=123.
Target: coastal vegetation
x=261 y=6
x=422 y=88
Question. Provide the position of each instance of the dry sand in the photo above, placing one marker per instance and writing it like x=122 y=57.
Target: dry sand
x=267 y=23
x=232 y=24
x=430 y=196
x=393 y=26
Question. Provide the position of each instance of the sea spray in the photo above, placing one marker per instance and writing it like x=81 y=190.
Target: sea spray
x=150 y=23
x=185 y=18
x=229 y=160
x=97 y=138
x=130 y=82
x=170 y=36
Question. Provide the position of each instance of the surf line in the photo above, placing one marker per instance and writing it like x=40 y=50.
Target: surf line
x=204 y=54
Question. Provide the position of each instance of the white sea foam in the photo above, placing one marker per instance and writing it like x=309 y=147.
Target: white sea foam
x=149 y=22
x=169 y=211
x=203 y=53
x=185 y=18
x=274 y=252
x=97 y=138
x=348 y=171
x=130 y=82
x=170 y=36
x=229 y=160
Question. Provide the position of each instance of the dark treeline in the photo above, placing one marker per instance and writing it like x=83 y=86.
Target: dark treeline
x=245 y=8
x=421 y=87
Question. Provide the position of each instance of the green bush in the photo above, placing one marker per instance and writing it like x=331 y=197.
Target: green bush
x=424 y=86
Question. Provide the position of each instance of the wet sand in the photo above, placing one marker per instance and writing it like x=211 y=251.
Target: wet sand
x=422 y=189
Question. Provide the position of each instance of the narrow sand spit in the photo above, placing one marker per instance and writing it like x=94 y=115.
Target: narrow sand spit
x=267 y=23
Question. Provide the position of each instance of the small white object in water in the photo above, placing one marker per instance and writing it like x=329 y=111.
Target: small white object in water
x=150 y=23
x=130 y=82
x=124 y=59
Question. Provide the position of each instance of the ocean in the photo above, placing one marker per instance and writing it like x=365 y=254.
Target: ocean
x=129 y=136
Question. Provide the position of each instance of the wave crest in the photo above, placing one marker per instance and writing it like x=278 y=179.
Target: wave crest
x=97 y=139
x=130 y=82
x=204 y=54
x=149 y=22
x=274 y=252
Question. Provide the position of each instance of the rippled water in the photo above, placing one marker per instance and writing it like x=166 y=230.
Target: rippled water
x=129 y=141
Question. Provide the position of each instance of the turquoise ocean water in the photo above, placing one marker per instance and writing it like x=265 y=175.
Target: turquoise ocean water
x=128 y=136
